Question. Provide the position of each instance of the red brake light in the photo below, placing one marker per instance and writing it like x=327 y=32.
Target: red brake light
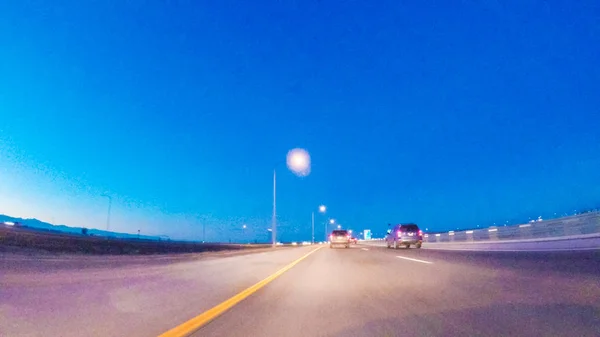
x=420 y=232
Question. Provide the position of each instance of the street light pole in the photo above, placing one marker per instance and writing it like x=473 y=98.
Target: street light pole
x=322 y=210
x=108 y=214
x=274 y=219
x=298 y=161
x=313 y=226
x=331 y=222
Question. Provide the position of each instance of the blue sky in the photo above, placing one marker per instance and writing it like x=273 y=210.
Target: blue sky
x=447 y=115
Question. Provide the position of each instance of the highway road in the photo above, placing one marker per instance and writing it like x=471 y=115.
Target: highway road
x=361 y=291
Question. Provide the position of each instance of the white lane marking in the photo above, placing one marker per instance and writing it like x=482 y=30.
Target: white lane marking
x=415 y=260
x=365 y=248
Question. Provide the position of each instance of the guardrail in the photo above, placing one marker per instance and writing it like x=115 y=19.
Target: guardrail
x=576 y=225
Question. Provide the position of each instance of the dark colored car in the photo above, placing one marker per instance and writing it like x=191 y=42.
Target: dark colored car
x=339 y=237
x=404 y=235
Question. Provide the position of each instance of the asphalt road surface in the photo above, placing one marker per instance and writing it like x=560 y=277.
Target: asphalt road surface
x=361 y=291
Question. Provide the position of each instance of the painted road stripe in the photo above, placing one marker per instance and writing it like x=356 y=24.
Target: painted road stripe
x=365 y=248
x=415 y=260
x=191 y=326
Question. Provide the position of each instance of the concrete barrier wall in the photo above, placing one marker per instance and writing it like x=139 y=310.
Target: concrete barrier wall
x=578 y=232
x=581 y=224
x=566 y=243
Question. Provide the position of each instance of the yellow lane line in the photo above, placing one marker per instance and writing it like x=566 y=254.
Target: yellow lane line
x=192 y=325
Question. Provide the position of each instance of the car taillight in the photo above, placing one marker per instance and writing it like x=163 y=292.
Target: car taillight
x=348 y=237
x=399 y=233
x=420 y=232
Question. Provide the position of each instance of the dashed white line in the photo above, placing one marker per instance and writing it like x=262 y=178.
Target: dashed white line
x=365 y=248
x=415 y=260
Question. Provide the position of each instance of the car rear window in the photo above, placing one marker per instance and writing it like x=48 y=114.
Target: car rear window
x=409 y=227
x=340 y=232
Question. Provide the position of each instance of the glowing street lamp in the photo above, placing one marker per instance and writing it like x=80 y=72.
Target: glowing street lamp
x=244 y=232
x=298 y=161
x=330 y=222
x=322 y=209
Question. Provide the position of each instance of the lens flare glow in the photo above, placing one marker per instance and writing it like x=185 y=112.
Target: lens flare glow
x=298 y=161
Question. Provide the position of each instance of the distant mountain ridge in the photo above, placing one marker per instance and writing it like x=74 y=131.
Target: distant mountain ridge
x=41 y=225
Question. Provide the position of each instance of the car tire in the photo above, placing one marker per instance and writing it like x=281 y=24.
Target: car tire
x=347 y=246
x=418 y=245
x=408 y=246
x=395 y=244
x=330 y=246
